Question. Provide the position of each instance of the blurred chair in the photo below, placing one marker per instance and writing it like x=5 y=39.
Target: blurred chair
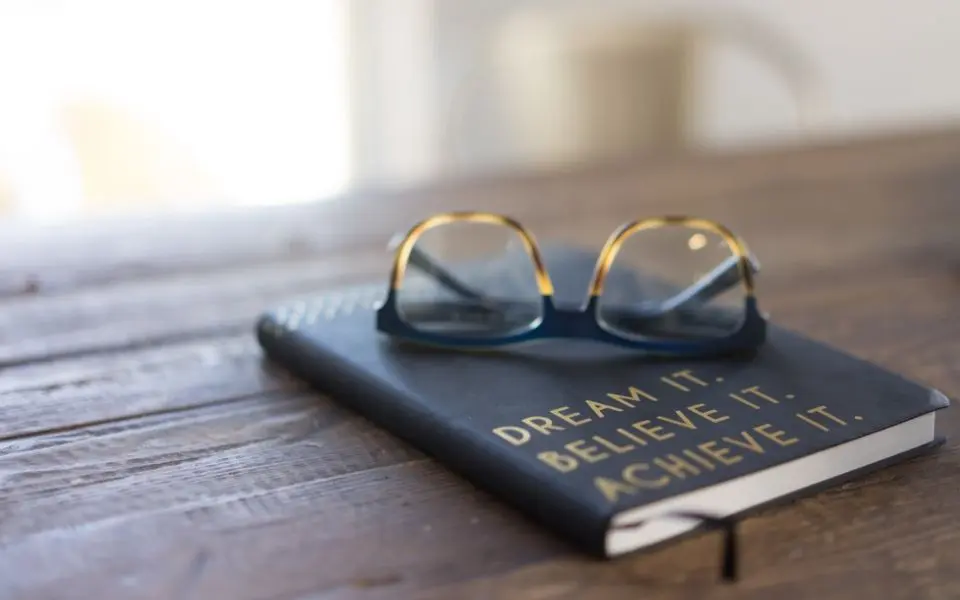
x=592 y=91
x=582 y=87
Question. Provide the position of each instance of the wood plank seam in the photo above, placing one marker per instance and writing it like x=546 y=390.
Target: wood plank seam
x=37 y=433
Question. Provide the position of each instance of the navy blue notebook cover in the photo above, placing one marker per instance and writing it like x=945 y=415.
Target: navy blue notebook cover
x=601 y=445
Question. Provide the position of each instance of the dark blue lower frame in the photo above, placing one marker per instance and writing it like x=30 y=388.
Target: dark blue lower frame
x=581 y=324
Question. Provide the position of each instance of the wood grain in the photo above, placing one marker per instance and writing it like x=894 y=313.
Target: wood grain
x=148 y=451
x=79 y=255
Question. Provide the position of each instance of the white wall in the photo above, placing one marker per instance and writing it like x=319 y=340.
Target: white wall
x=881 y=62
x=878 y=63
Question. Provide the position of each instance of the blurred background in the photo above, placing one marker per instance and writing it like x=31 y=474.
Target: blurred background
x=112 y=107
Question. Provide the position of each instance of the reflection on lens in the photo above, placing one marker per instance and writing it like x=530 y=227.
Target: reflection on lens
x=674 y=283
x=468 y=279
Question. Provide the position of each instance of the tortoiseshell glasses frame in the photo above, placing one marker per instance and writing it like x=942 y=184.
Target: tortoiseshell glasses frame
x=582 y=322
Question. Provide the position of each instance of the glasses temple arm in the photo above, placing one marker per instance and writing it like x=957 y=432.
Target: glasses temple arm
x=423 y=261
x=722 y=278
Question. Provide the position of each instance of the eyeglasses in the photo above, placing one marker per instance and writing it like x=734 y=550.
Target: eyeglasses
x=665 y=285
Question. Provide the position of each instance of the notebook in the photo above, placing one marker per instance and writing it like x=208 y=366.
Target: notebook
x=612 y=450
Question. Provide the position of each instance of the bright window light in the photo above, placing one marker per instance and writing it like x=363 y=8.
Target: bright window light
x=112 y=105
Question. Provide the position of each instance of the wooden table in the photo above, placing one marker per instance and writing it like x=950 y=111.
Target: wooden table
x=148 y=451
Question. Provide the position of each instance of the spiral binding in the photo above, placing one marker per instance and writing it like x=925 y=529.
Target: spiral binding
x=306 y=312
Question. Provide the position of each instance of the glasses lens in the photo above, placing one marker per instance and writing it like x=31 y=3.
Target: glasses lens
x=468 y=279
x=674 y=283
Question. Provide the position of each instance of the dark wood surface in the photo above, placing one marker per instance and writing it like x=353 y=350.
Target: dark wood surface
x=148 y=451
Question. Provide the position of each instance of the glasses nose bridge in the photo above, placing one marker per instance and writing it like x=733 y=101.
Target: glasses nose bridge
x=570 y=320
